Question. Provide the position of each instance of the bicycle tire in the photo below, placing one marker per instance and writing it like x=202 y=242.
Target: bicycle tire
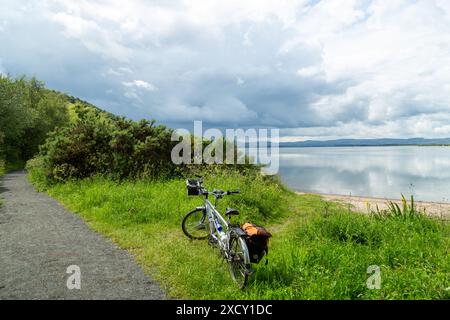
x=239 y=263
x=203 y=223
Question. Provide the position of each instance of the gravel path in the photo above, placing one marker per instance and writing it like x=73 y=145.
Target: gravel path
x=39 y=240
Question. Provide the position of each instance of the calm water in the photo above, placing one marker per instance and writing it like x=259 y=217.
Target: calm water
x=369 y=171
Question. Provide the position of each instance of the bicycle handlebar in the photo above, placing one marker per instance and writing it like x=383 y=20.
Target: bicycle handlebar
x=216 y=192
x=221 y=193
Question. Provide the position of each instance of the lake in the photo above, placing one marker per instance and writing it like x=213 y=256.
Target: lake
x=384 y=172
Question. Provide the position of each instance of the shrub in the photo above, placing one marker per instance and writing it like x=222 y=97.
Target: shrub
x=2 y=168
x=28 y=111
x=98 y=143
x=38 y=173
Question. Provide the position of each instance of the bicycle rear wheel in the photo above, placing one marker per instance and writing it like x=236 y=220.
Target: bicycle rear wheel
x=239 y=261
x=196 y=224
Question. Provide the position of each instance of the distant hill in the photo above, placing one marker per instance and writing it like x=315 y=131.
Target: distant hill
x=367 y=142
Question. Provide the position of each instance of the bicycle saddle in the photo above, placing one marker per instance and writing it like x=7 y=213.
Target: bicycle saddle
x=231 y=212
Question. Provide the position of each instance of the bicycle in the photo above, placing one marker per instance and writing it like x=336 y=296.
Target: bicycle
x=206 y=222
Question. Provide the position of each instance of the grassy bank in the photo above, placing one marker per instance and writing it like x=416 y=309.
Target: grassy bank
x=319 y=250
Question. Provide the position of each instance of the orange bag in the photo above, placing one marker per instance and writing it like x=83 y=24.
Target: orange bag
x=253 y=230
x=257 y=241
x=250 y=229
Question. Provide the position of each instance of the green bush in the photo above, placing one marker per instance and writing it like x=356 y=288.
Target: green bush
x=38 y=173
x=97 y=143
x=2 y=168
x=28 y=111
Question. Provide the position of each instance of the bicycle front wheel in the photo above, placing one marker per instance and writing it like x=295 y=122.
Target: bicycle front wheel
x=196 y=224
x=239 y=260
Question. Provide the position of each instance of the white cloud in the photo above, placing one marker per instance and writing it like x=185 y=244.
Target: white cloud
x=310 y=71
x=323 y=68
x=133 y=91
x=133 y=95
x=124 y=70
x=117 y=72
x=94 y=37
x=432 y=126
x=217 y=110
x=140 y=84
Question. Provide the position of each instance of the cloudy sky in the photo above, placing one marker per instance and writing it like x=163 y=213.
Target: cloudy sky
x=314 y=69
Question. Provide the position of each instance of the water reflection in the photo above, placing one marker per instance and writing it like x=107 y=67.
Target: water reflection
x=369 y=171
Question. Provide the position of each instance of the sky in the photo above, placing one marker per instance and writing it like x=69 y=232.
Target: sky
x=314 y=69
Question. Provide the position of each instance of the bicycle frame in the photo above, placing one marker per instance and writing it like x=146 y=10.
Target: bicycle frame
x=221 y=233
x=216 y=220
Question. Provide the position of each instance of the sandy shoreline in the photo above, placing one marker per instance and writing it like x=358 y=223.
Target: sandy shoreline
x=435 y=209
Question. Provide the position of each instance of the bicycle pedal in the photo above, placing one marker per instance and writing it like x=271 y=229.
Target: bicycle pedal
x=212 y=241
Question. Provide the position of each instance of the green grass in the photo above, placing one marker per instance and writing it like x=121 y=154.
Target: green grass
x=6 y=167
x=319 y=250
x=14 y=166
x=2 y=169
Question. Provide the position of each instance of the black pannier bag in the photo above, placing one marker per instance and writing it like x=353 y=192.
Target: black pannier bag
x=257 y=241
x=193 y=187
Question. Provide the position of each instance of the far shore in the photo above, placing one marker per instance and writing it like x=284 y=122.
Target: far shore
x=364 y=204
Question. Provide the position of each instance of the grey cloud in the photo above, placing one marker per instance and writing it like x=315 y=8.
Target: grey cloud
x=192 y=68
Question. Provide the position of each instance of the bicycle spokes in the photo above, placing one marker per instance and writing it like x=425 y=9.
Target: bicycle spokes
x=200 y=226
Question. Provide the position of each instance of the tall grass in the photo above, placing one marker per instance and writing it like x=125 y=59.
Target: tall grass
x=328 y=257
x=319 y=250
x=406 y=211
x=2 y=168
